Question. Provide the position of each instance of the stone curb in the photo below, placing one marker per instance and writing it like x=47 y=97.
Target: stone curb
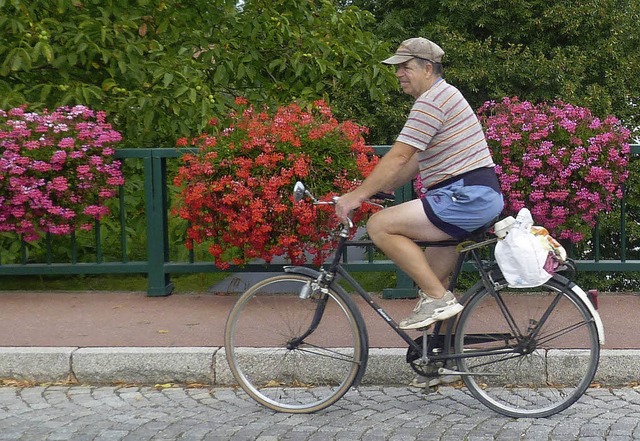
x=208 y=365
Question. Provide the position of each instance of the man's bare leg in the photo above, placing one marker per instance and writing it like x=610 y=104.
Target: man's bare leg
x=394 y=230
x=442 y=261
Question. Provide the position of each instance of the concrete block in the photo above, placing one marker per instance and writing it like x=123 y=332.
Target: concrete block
x=266 y=361
x=39 y=364
x=143 y=365
x=387 y=366
x=618 y=367
x=221 y=372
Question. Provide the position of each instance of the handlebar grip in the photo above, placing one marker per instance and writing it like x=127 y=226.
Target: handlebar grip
x=384 y=196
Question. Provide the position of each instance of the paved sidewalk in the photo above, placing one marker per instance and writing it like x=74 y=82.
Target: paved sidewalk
x=111 y=337
x=83 y=413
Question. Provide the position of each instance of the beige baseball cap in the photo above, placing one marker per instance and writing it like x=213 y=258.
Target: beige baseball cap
x=416 y=48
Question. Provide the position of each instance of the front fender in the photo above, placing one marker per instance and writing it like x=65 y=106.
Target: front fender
x=302 y=270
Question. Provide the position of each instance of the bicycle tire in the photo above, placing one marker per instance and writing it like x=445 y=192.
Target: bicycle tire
x=538 y=375
x=303 y=378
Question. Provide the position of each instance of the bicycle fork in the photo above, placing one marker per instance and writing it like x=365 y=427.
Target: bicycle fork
x=311 y=289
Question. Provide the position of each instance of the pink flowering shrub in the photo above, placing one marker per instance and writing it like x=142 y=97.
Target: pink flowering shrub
x=56 y=170
x=558 y=160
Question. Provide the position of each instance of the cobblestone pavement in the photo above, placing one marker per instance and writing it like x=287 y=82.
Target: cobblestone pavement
x=371 y=413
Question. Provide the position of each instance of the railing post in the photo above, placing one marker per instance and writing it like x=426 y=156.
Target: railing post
x=158 y=281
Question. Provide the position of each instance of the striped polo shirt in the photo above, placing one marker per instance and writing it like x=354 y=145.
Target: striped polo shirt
x=447 y=132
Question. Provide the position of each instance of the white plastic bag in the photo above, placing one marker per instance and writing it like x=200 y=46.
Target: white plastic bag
x=521 y=255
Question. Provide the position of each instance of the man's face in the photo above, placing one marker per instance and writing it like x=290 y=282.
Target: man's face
x=413 y=77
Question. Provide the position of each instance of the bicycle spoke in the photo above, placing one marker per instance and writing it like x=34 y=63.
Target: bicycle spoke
x=495 y=361
x=325 y=352
x=561 y=332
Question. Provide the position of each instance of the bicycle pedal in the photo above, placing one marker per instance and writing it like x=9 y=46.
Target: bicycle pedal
x=449 y=379
x=429 y=390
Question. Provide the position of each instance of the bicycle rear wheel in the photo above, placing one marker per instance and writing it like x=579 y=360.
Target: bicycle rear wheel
x=283 y=358
x=538 y=368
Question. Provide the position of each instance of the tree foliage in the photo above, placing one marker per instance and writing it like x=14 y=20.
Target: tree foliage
x=163 y=68
x=581 y=51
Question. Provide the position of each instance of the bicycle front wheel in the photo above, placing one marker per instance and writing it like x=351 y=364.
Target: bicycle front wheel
x=527 y=354
x=291 y=354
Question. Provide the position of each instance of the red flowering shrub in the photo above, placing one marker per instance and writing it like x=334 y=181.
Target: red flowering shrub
x=236 y=191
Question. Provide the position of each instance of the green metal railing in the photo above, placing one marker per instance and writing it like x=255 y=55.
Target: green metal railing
x=158 y=266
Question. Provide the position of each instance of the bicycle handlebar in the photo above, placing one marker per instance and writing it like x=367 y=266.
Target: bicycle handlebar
x=300 y=191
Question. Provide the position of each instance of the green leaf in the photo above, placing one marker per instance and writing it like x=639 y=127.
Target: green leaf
x=355 y=79
x=322 y=65
x=167 y=79
x=108 y=84
x=220 y=76
x=181 y=90
x=274 y=63
x=47 y=51
x=45 y=91
x=17 y=59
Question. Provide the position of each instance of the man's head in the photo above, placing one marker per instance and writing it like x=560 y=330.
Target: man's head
x=418 y=65
x=416 y=48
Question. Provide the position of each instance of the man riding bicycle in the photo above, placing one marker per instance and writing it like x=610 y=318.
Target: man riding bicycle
x=442 y=141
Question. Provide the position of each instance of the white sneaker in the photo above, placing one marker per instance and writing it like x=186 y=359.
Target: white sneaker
x=430 y=310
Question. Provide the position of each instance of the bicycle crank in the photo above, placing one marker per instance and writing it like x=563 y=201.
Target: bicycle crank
x=445 y=371
x=421 y=365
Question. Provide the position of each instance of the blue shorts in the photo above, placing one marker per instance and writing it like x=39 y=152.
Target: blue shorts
x=461 y=205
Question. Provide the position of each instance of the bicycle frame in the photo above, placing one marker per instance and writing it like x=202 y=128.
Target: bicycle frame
x=335 y=268
x=436 y=337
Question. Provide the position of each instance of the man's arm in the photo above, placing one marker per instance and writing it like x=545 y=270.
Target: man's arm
x=406 y=174
x=395 y=168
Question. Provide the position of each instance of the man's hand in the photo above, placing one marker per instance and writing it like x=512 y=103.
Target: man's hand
x=346 y=204
x=395 y=168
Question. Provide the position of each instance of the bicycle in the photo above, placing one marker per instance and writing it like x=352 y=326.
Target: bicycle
x=297 y=342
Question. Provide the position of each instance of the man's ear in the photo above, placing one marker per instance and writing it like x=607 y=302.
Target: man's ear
x=430 y=68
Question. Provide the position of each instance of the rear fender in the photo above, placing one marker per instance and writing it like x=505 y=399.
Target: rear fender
x=585 y=299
